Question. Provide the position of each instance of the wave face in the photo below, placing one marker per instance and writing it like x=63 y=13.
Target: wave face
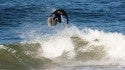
x=67 y=47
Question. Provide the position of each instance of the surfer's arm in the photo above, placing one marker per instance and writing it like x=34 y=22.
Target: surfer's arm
x=51 y=15
x=67 y=19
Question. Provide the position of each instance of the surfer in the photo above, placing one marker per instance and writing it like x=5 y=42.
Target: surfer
x=55 y=17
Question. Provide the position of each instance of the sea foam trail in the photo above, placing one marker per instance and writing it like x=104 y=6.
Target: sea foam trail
x=85 y=45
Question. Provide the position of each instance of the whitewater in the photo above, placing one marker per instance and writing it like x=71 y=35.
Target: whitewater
x=70 y=47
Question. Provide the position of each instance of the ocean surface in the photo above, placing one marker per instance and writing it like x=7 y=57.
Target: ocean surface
x=95 y=39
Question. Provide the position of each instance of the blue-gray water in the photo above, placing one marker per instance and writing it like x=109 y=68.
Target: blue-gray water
x=107 y=15
x=94 y=21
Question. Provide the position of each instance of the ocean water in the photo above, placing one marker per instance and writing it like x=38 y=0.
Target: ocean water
x=95 y=39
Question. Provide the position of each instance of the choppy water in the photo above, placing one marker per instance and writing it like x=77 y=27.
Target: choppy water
x=94 y=40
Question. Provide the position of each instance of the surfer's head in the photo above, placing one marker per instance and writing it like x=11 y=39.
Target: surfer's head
x=60 y=12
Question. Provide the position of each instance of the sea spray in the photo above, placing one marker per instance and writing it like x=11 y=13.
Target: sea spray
x=70 y=46
x=88 y=45
x=55 y=47
x=113 y=42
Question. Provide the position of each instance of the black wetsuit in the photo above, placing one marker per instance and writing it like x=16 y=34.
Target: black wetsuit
x=57 y=16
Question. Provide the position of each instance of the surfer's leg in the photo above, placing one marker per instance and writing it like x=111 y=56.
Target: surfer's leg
x=59 y=19
x=54 y=21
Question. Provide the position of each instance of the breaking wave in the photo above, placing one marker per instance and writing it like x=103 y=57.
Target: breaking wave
x=70 y=46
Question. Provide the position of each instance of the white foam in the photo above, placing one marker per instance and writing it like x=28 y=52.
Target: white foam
x=55 y=47
x=114 y=43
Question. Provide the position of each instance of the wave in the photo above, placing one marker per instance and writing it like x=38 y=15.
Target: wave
x=67 y=47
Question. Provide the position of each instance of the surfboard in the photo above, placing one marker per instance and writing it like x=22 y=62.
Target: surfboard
x=51 y=21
